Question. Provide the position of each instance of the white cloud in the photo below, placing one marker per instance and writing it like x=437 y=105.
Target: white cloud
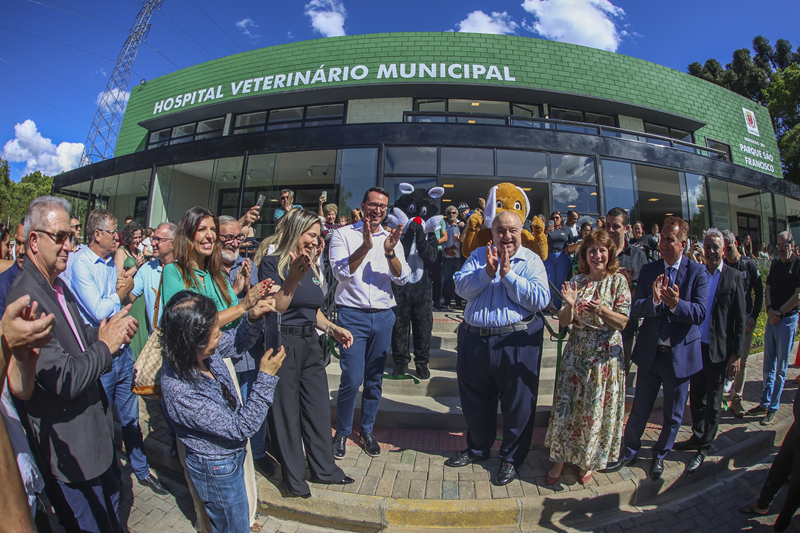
x=290 y=36
x=480 y=22
x=245 y=25
x=113 y=100
x=327 y=17
x=39 y=152
x=587 y=22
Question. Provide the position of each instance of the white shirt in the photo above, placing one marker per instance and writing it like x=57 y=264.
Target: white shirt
x=713 y=283
x=573 y=229
x=31 y=478
x=370 y=286
x=676 y=266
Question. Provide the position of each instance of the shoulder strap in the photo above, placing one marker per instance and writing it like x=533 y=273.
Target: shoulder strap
x=158 y=300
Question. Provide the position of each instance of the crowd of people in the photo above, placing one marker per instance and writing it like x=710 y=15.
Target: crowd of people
x=243 y=379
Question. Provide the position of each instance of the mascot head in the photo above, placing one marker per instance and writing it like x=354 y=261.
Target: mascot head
x=418 y=204
x=506 y=197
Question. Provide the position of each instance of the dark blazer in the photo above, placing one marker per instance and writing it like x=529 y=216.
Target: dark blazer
x=727 y=316
x=684 y=323
x=69 y=413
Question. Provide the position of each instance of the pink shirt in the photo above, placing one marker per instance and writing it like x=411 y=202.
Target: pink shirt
x=59 y=290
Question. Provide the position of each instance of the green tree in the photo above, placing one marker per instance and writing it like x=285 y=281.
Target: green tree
x=16 y=197
x=771 y=77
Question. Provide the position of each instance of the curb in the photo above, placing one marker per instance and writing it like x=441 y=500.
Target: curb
x=374 y=513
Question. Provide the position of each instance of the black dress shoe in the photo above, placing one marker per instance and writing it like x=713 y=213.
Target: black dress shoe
x=264 y=466
x=399 y=370
x=153 y=484
x=617 y=465
x=694 y=464
x=422 y=371
x=462 y=459
x=346 y=481
x=339 y=445
x=506 y=475
x=657 y=468
x=371 y=446
x=688 y=444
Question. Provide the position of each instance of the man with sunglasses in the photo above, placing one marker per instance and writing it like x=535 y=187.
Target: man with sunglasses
x=287 y=197
x=70 y=420
x=366 y=261
x=75 y=228
x=8 y=276
x=754 y=297
x=782 y=296
x=100 y=295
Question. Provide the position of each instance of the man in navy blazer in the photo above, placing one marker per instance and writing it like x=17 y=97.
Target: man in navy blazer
x=671 y=299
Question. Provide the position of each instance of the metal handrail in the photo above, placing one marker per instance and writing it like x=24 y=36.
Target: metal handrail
x=598 y=129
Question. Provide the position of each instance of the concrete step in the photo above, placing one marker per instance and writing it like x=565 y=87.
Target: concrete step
x=420 y=412
x=441 y=383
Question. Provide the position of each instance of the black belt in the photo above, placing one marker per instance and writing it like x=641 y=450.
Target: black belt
x=306 y=330
x=363 y=310
x=790 y=313
x=502 y=330
x=664 y=349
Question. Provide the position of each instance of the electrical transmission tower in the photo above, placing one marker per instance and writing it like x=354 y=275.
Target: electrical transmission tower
x=102 y=139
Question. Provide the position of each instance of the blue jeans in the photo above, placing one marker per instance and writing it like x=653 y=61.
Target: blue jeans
x=117 y=385
x=363 y=362
x=220 y=486
x=778 y=342
x=259 y=440
x=558 y=267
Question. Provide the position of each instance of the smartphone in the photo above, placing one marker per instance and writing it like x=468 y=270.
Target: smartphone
x=261 y=200
x=272 y=333
x=324 y=196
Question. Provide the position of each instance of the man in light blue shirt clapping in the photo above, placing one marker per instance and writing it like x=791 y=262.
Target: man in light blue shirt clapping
x=500 y=345
x=94 y=283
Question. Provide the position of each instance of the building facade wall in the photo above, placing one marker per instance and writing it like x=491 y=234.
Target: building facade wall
x=548 y=69
x=368 y=110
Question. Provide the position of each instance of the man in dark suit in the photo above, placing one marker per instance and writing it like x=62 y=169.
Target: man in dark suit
x=721 y=353
x=8 y=277
x=671 y=299
x=69 y=415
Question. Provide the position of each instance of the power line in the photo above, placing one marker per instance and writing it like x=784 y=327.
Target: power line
x=48 y=70
x=187 y=33
x=217 y=25
x=42 y=110
x=45 y=103
x=47 y=82
x=65 y=44
x=179 y=35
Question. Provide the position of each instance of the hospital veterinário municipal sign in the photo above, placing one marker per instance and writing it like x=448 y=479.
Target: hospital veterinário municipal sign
x=322 y=75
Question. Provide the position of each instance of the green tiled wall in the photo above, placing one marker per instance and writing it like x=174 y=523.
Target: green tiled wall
x=535 y=63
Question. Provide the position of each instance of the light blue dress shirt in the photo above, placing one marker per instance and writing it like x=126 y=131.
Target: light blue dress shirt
x=146 y=283
x=713 y=281
x=501 y=301
x=93 y=282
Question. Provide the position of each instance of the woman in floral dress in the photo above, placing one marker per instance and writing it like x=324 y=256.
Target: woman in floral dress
x=588 y=412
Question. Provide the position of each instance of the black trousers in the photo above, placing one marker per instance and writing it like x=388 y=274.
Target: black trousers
x=504 y=368
x=300 y=416
x=705 y=399
x=435 y=272
x=414 y=310
x=786 y=466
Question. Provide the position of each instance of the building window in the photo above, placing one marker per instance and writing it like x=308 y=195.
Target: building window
x=573 y=115
x=194 y=131
x=289 y=118
x=473 y=107
x=721 y=146
x=664 y=131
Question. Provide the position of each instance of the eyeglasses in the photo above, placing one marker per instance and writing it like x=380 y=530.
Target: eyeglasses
x=375 y=205
x=158 y=240
x=284 y=198
x=58 y=237
x=452 y=212
x=230 y=238
x=785 y=245
x=112 y=232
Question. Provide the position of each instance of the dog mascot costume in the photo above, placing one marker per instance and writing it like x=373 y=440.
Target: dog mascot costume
x=418 y=211
x=504 y=197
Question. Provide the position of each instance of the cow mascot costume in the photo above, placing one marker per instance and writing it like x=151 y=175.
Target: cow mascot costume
x=418 y=211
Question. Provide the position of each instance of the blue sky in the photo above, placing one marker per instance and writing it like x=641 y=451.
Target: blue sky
x=49 y=91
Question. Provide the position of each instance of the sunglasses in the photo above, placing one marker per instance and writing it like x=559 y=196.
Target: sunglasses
x=158 y=240
x=229 y=397
x=58 y=237
x=230 y=238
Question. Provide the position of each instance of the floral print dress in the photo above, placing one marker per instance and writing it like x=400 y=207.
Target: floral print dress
x=589 y=409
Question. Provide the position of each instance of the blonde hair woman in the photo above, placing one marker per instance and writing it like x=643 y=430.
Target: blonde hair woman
x=300 y=416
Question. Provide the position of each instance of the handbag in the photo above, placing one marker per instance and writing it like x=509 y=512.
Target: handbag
x=147 y=368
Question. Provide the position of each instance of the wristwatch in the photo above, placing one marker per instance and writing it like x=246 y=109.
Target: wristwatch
x=391 y=255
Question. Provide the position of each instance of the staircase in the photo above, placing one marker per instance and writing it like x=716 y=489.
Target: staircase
x=435 y=403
